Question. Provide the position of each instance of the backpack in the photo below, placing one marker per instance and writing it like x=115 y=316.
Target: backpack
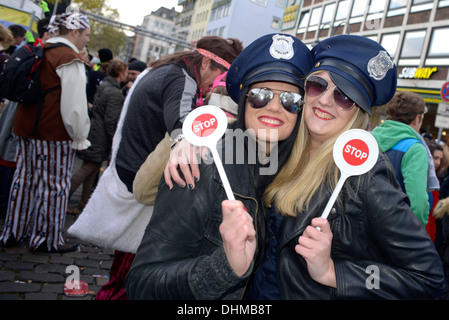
x=20 y=78
x=396 y=154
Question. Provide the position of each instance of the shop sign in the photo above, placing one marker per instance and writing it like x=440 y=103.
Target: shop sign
x=441 y=121
x=417 y=73
x=290 y=15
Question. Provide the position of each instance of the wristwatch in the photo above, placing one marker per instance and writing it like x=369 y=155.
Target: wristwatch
x=176 y=140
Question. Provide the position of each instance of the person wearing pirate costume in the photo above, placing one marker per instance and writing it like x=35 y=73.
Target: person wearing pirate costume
x=41 y=182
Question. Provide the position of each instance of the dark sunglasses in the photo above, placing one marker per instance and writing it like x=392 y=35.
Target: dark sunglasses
x=316 y=86
x=260 y=97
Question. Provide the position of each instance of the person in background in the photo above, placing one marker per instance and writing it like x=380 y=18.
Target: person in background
x=8 y=140
x=399 y=137
x=135 y=68
x=38 y=200
x=437 y=153
x=97 y=73
x=6 y=39
x=106 y=110
x=441 y=215
x=18 y=33
x=266 y=80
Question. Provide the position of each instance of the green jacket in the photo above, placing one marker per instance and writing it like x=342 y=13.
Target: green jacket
x=414 y=165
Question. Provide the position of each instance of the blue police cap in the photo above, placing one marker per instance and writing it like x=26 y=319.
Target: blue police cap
x=273 y=57
x=360 y=67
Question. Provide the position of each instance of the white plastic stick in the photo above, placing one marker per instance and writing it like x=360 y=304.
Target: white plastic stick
x=334 y=195
x=223 y=176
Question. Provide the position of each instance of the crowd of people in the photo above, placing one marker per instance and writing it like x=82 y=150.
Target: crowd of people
x=175 y=233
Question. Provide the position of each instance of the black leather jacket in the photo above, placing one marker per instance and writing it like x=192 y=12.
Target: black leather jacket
x=374 y=233
x=181 y=254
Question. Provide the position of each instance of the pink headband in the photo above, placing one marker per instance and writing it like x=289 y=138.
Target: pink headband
x=218 y=82
x=214 y=57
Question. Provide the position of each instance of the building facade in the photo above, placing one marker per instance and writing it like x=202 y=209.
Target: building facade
x=414 y=32
x=161 y=21
x=245 y=20
x=200 y=20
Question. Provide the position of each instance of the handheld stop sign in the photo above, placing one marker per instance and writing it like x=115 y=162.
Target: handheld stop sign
x=204 y=126
x=355 y=152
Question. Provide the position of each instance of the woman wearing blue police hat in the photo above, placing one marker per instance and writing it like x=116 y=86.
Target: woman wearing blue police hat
x=187 y=252
x=372 y=246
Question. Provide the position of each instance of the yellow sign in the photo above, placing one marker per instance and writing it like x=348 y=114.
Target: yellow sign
x=290 y=15
x=17 y=17
x=417 y=73
x=429 y=95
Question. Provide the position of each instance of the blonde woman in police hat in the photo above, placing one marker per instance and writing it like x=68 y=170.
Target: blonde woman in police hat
x=372 y=246
x=187 y=252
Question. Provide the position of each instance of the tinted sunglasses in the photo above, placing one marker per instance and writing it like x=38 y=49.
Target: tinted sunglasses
x=260 y=97
x=316 y=86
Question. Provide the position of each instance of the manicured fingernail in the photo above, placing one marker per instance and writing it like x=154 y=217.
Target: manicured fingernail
x=244 y=208
x=195 y=179
x=190 y=186
x=181 y=185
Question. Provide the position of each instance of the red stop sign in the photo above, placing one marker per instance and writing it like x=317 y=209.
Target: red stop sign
x=356 y=152
x=204 y=125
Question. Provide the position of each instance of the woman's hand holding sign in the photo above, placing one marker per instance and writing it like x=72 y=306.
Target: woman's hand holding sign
x=239 y=236
x=315 y=247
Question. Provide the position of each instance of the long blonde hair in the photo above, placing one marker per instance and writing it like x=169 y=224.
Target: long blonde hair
x=299 y=179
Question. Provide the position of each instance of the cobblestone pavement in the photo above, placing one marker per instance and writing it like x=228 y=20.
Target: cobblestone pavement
x=41 y=276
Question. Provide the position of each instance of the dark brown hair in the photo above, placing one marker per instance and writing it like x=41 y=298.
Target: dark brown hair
x=227 y=49
x=115 y=67
x=405 y=106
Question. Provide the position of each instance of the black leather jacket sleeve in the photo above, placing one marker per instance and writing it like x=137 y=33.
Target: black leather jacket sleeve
x=379 y=247
x=181 y=254
x=404 y=258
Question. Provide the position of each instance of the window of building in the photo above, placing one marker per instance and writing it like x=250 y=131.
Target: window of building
x=412 y=47
x=390 y=43
x=263 y=3
x=397 y=7
x=443 y=3
x=376 y=6
x=304 y=19
x=421 y=5
x=226 y=10
x=315 y=19
x=438 y=50
x=303 y=22
x=358 y=8
x=328 y=15
x=280 y=3
x=438 y=43
x=276 y=23
x=376 y=9
x=342 y=11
